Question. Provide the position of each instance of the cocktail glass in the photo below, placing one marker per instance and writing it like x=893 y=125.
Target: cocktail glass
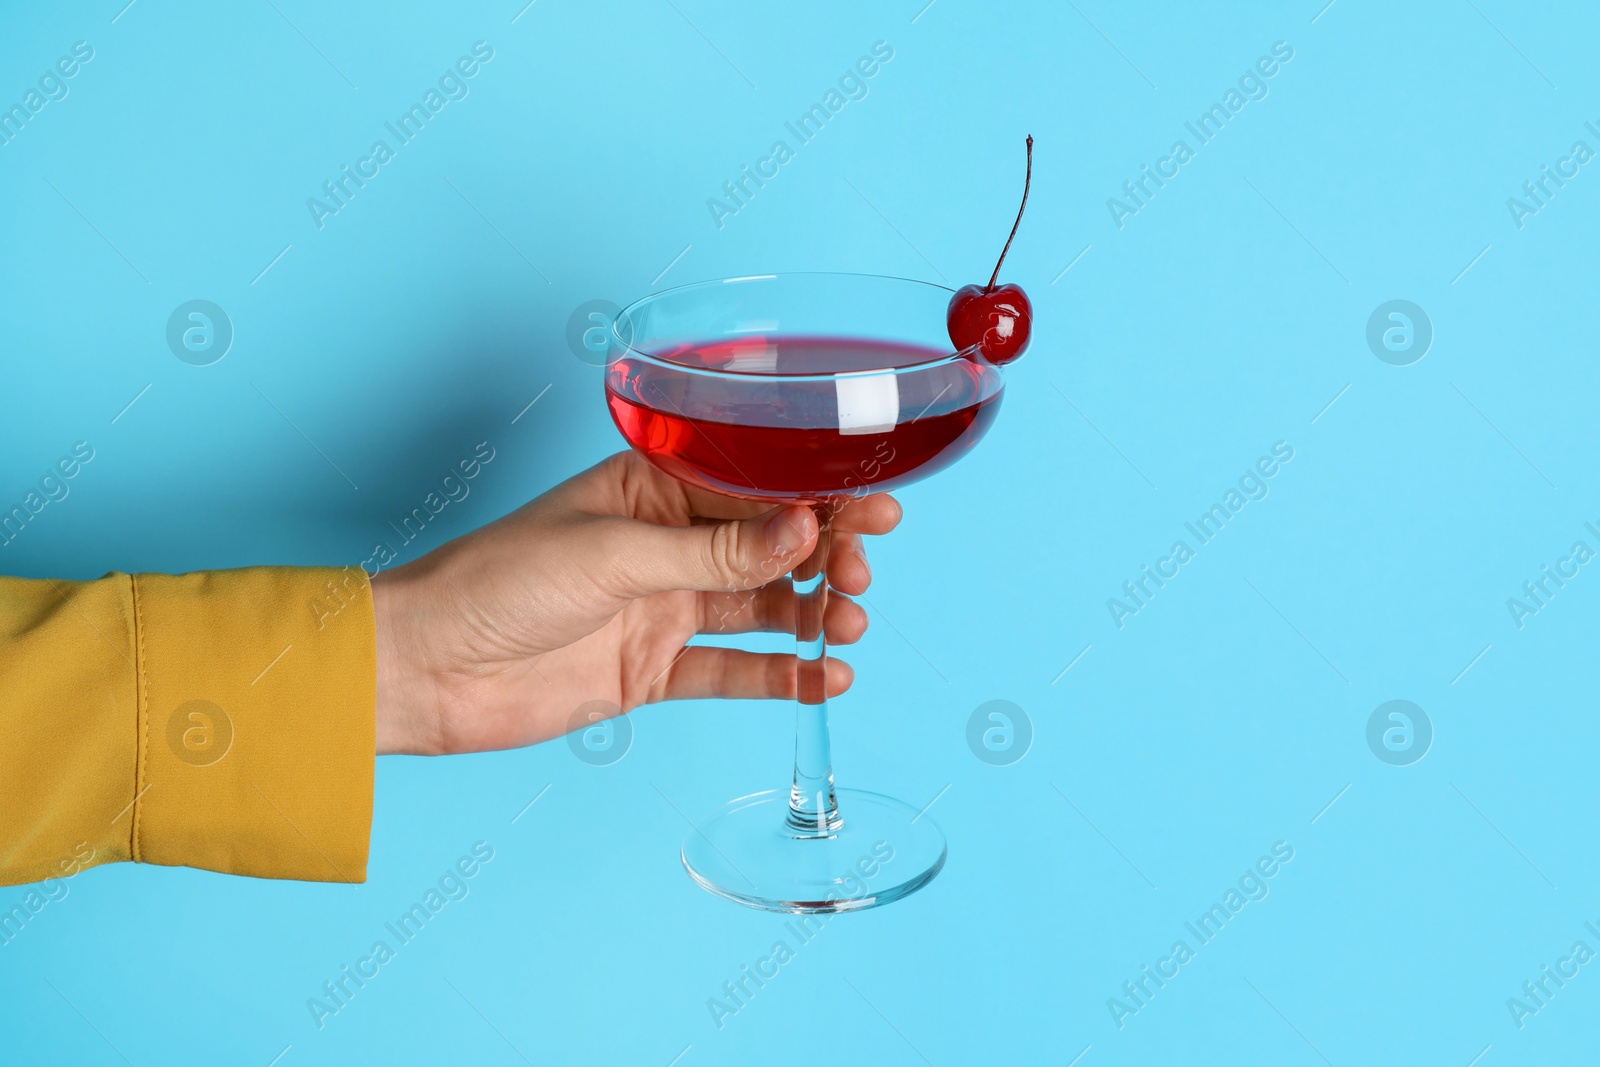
x=803 y=389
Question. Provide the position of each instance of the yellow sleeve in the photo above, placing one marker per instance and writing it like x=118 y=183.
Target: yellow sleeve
x=220 y=720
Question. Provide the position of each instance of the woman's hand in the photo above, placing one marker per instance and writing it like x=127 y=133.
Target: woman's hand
x=590 y=592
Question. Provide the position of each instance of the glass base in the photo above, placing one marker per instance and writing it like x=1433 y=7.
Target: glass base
x=746 y=852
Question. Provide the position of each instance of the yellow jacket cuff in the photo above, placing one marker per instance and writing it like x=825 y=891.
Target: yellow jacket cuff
x=220 y=720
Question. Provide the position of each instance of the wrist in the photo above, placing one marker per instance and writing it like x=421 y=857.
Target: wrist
x=406 y=716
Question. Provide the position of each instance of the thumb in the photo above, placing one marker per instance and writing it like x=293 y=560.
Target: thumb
x=724 y=556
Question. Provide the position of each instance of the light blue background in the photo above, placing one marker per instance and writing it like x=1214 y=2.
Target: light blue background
x=1223 y=317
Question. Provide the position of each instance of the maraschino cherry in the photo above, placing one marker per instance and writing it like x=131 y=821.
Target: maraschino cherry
x=995 y=318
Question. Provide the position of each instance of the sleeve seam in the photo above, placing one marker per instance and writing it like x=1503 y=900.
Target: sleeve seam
x=142 y=730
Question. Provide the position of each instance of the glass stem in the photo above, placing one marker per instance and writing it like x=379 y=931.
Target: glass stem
x=813 y=808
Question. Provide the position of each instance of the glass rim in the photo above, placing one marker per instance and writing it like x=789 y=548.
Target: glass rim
x=971 y=352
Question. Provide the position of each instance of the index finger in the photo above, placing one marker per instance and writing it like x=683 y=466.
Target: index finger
x=875 y=514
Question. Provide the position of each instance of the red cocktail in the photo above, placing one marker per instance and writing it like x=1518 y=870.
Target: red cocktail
x=803 y=389
x=793 y=420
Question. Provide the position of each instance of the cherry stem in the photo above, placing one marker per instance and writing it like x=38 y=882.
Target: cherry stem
x=1027 y=181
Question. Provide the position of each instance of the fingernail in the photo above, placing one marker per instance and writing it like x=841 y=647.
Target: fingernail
x=785 y=531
